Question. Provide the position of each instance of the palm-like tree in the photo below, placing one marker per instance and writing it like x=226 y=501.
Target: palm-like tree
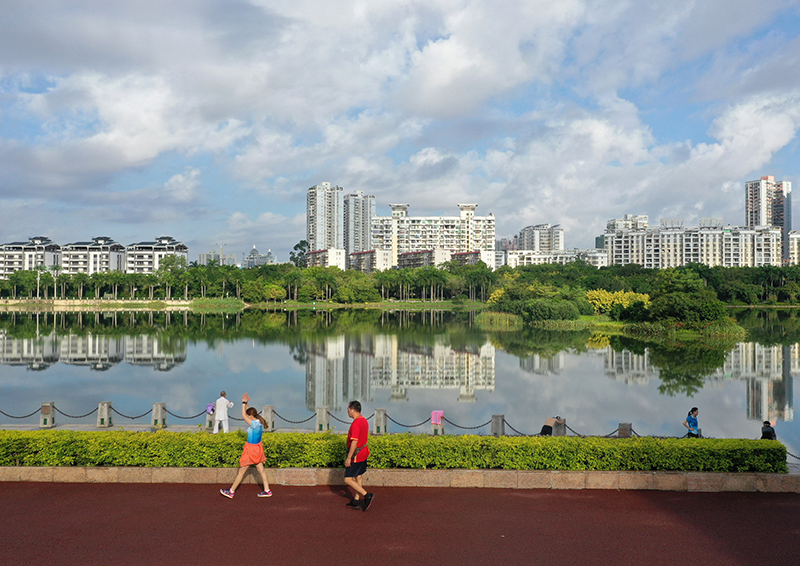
x=81 y=280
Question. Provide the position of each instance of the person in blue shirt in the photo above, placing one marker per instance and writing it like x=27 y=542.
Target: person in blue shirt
x=691 y=423
x=253 y=453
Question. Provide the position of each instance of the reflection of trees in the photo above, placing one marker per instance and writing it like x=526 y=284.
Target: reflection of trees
x=542 y=342
x=682 y=367
x=771 y=327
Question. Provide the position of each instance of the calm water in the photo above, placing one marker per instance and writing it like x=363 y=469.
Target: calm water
x=407 y=363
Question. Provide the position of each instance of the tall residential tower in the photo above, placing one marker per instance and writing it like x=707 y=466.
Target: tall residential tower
x=769 y=203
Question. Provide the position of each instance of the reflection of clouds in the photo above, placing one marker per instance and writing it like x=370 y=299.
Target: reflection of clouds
x=581 y=391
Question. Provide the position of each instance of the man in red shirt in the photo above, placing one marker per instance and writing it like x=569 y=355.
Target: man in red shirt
x=355 y=464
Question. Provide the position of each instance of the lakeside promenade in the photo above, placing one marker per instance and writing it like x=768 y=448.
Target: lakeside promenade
x=59 y=524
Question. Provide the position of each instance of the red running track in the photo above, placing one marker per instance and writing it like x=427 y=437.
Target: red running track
x=192 y=525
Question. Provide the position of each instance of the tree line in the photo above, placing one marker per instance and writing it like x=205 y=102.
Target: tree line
x=505 y=289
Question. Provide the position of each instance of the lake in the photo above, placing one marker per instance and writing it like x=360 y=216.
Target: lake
x=408 y=363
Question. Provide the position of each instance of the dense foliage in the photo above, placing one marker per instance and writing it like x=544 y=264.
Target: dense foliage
x=285 y=450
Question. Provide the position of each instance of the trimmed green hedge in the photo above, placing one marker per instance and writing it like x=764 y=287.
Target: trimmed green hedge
x=290 y=450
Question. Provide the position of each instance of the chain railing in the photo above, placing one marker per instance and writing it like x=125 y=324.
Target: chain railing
x=445 y=419
x=23 y=417
x=185 y=418
x=408 y=426
x=294 y=422
x=132 y=418
x=60 y=412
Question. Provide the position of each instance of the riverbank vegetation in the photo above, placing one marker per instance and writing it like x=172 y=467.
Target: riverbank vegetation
x=646 y=302
x=302 y=450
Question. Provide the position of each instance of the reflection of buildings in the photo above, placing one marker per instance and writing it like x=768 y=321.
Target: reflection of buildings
x=98 y=352
x=342 y=368
x=37 y=353
x=628 y=367
x=543 y=365
x=767 y=370
x=144 y=350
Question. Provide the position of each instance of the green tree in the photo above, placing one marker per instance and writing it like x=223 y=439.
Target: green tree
x=299 y=254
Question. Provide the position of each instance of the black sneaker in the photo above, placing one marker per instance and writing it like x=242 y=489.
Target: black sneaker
x=367 y=501
x=354 y=504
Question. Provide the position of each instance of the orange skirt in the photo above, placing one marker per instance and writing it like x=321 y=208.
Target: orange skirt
x=252 y=454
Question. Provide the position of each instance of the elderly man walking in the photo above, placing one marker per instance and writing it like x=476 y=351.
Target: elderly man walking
x=221 y=407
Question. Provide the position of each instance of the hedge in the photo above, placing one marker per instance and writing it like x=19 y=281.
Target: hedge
x=299 y=450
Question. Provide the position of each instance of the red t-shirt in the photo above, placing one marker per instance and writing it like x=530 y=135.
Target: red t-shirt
x=359 y=431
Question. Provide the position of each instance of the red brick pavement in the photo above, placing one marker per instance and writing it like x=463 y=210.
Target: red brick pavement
x=192 y=525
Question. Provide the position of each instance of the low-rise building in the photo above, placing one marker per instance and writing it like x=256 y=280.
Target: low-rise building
x=101 y=255
x=38 y=251
x=373 y=260
x=326 y=258
x=145 y=257
x=423 y=258
x=255 y=259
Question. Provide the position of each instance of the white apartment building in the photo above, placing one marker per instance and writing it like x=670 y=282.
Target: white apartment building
x=401 y=233
x=145 y=257
x=326 y=258
x=472 y=258
x=710 y=243
x=768 y=202
x=101 y=255
x=594 y=257
x=541 y=238
x=372 y=260
x=325 y=217
x=423 y=258
x=359 y=209
x=38 y=251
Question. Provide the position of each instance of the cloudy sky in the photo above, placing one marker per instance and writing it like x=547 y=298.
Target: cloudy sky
x=207 y=120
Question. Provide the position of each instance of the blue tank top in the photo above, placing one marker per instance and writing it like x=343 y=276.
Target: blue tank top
x=255 y=431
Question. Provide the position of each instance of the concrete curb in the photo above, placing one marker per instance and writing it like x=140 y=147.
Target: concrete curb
x=514 y=479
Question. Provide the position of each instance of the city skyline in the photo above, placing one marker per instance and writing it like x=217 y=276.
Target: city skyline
x=210 y=121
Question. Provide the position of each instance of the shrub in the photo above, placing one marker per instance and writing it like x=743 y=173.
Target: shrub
x=283 y=450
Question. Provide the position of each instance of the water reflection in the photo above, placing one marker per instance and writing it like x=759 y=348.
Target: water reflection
x=414 y=361
x=99 y=353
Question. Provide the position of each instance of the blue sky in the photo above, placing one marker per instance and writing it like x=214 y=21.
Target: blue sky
x=208 y=120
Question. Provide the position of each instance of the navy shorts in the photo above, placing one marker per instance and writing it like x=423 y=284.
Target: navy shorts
x=356 y=469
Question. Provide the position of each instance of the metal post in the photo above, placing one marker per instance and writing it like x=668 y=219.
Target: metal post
x=380 y=424
x=47 y=416
x=624 y=430
x=268 y=412
x=104 y=419
x=498 y=425
x=323 y=420
x=160 y=415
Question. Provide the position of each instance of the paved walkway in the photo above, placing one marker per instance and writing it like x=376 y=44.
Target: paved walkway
x=136 y=524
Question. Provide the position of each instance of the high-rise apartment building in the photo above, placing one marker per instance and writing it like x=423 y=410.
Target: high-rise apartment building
x=541 y=238
x=325 y=217
x=401 y=233
x=768 y=202
x=359 y=209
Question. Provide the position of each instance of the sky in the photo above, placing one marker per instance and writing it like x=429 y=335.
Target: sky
x=208 y=120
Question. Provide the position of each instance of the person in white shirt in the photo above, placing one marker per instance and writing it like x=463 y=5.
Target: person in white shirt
x=221 y=407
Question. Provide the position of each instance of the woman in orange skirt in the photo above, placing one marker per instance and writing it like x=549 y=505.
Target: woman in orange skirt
x=253 y=453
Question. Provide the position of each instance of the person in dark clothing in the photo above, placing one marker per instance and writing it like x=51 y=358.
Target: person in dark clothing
x=767 y=432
